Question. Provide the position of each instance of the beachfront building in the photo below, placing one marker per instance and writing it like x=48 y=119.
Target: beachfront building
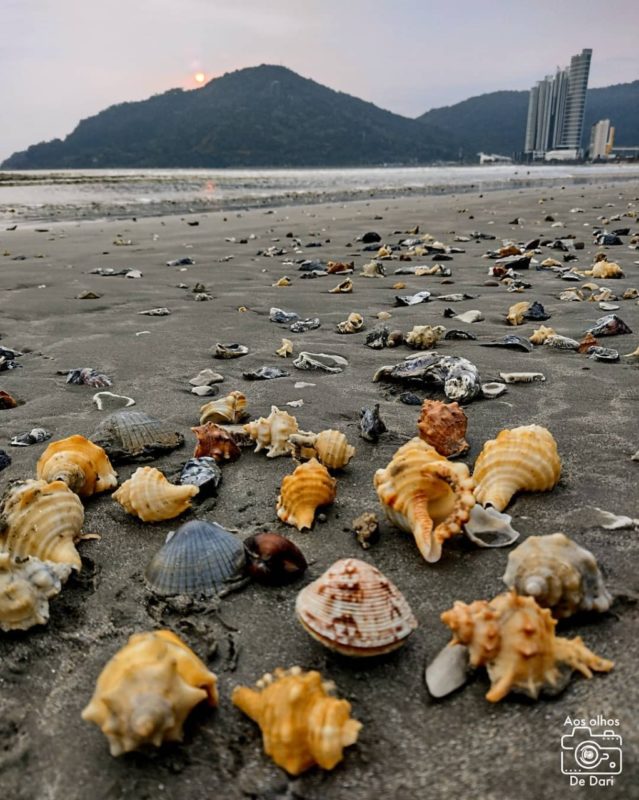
x=556 y=111
x=602 y=138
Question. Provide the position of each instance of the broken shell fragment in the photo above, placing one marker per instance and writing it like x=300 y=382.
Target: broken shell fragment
x=150 y=497
x=492 y=389
x=366 y=529
x=206 y=377
x=302 y=724
x=147 y=690
x=611 y=325
x=202 y=472
x=448 y=670
x=353 y=324
x=603 y=354
x=371 y=425
x=273 y=559
x=511 y=341
x=272 y=433
x=88 y=376
x=230 y=409
x=561 y=343
x=108 y=401
x=278 y=315
x=26 y=586
x=443 y=425
x=345 y=287
x=487 y=527
x=303 y=325
x=82 y=465
x=458 y=376
x=355 y=610
x=522 y=377
x=229 y=350
x=34 y=436
x=422 y=337
x=325 y=362
x=285 y=349
x=308 y=488
x=265 y=373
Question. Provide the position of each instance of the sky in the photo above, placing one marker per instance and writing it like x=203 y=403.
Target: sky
x=64 y=60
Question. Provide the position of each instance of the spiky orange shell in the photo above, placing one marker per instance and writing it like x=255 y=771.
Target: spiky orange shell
x=308 y=488
x=516 y=313
x=43 y=520
x=82 y=465
x=150 y=497
x=443 y=425
x=302 y=725
x=215 y=442
x=515 y=639
x=605 y=270
x=147 y=690
x=522 y=459
x=424 y=493
x=540 y=335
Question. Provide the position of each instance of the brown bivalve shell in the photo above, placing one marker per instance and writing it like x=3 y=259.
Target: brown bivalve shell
x=443 y=425
x=309 y=487
x=273 y=559
x=82 y=465
x=214 y=441
x=150 y=497
x=355 y=610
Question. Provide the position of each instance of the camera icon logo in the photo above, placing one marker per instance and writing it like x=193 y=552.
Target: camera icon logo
x=585 y=752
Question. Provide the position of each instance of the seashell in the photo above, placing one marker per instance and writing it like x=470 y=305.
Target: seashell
x=283 y=281
x=43 y=520
x=206 y=377
x=133 y=435
x=82 y=465
x=302 y=724
x=412 y=299
x=229 y=350
x=278 y=315
x=586 y=343
x=516 y=313
x=464 y=335
x=215 y=442
x=515 y=640
x=330 y=447
x=535 y=312
x=519 y=459
x=366 y=529
x=458 y=376
x=303 y=325
x=345 y=287
x=26 y=586
x=561 y=343
x=605 y=269
x=374 y=269
x=422 y=337
x=443 y=426
x=571 y=295
x=34 y=436
x=355 y=610
x=265 y=374
x=487 y=527
x=147 y=690
x=609 y=307
x=448 y=670
x=383 y=315
x=603 y=354
x=108 y=401
x=492 y=389
x=273 y=559
x=424 y=493
x=156 y=312
x=559 y=574
x=199 y=558
x=272 y=433
x=522 y=377
x=87 y=376
x=337 y=267
x=307 y=489
x=399 y=285
x=204 y=391
x=353 y=324
x=231 y=408
x=371 y=425
x=470 y=316
x=510 y=341
x=632 y=357
x=630 y=294
x=325 y=362
x=377 y=338
x=148 y=496
x=602 y=295
x=285 y=349
x=611 y=325
x=201 y=472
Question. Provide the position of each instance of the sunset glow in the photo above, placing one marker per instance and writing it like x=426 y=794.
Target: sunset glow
x=199 y=77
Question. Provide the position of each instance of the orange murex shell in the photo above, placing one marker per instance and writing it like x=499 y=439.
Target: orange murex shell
x=308 y=488
x=443 y=425
x=215 y=442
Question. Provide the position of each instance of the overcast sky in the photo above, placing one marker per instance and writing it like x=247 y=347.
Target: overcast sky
x=62 y=60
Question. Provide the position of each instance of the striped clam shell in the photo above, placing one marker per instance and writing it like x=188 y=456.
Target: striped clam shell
x=355 y=610
x=135 y=436
x=199 y=558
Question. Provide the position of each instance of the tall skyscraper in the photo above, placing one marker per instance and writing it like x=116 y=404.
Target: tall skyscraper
x=602 y=137
x=556 y=110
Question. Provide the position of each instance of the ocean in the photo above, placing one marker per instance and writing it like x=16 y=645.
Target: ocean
x=36 y=196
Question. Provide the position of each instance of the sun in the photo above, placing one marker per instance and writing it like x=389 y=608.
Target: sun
x=199 y=77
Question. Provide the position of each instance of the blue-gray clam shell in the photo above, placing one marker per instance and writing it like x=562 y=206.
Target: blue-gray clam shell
x=200 y=558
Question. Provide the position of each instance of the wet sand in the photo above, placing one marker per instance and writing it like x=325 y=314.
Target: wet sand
x=410 y=746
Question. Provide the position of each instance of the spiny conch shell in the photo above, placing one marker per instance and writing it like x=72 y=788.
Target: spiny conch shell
x=133 y=435
x=26 y=586
x=150 y=497
x=443 y=425
x=82 y=465
x=540 y=335
x=355 y=610
x=43 y=520
x=215 y=442
x=516 y=313
x=353 y=324
x=345 y=287
x=302 y=724
x=199 y=558
x=147 y=690
x=308 y=488
x=272 y=433
x=373 y=270
x=487 y=527
x=285 y=349
x=514 y=638
x=421 y=337
x=424 y=493
x=605 y=269
x=231 y=408
x=559 y=574
x=522 y=459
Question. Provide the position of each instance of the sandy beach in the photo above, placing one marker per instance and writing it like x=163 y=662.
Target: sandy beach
x=410 y=746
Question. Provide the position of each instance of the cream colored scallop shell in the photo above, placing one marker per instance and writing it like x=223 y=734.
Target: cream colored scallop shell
x=150 y=497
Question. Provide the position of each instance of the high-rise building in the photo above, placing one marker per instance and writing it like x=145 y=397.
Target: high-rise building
x=556 y=110
x=602 y=136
